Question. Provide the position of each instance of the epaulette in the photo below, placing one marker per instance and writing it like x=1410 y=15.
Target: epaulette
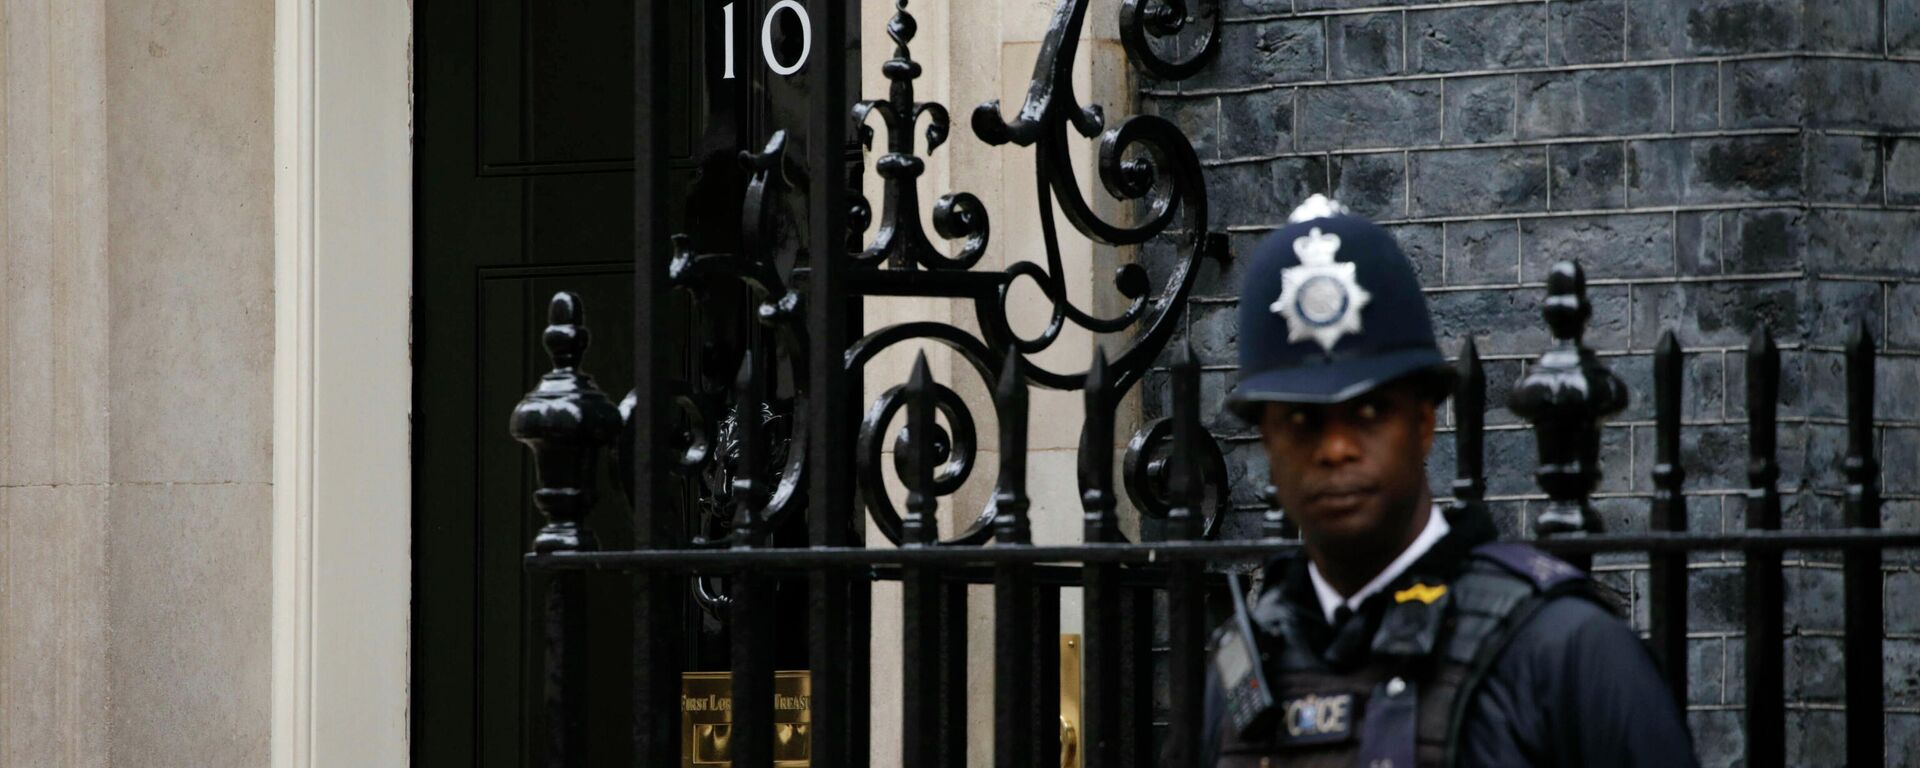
x=1551 y=575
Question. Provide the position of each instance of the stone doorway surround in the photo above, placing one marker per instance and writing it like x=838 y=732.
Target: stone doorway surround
x=343 y=269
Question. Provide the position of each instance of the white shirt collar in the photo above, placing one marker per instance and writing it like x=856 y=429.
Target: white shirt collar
x=1330 y=600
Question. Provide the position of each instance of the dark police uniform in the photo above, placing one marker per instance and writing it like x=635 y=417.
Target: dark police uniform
x=1481 y=653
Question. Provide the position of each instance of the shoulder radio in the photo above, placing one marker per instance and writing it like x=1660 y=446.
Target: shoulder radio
x=1243 y=677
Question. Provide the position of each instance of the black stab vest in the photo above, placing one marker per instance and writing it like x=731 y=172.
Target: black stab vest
x=1398 y=698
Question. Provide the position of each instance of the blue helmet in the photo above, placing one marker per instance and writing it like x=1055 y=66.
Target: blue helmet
x=1329 y=310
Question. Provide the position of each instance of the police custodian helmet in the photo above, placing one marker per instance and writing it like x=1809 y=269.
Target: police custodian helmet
x=1329 y=310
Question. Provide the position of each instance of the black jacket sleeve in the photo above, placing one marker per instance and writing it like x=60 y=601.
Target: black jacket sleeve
x=1575 y=688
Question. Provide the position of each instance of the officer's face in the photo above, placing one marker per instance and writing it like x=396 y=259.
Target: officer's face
x=1353 y=473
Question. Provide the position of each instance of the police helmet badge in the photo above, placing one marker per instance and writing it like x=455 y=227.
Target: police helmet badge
x=1320 y=298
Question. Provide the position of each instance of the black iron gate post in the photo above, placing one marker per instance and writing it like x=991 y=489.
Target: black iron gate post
x=919 y=586
x=566 y=422
x=660 y=598
x=1667 y=573
x=1104 y=690
x=1186 y=630
x=1013 y=589
x=748 y=608
x=837 y=613
x=1766 y=708
x=1862 y=580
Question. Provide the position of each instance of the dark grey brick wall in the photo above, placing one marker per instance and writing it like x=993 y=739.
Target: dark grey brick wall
x=1715 y=164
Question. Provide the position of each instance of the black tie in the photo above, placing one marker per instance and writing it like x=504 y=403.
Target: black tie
x=1349 y=639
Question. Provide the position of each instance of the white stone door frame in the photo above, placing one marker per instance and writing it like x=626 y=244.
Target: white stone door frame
x=343 y=267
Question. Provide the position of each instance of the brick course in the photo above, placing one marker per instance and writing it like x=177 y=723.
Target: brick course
x=1714 y=164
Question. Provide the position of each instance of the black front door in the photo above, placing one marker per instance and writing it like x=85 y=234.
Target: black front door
x=524 y=186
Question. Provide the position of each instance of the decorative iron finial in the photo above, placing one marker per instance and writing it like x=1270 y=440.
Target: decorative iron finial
x=1566 y=396
x=567 y=335
x=901 y=242
x=1010 y=501
x=1566 y=308
x=565 y=421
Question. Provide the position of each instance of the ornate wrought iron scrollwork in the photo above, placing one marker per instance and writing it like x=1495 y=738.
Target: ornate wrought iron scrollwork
x=710 y=445
x=1164 y=19
x=1149 y=477
x=952 y=450
x=1143 y=159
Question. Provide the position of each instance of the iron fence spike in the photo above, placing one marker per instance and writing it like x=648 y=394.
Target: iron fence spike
x=1010 y=497
x=1470 y=416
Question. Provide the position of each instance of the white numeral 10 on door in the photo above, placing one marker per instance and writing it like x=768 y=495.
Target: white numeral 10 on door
x=766 y=38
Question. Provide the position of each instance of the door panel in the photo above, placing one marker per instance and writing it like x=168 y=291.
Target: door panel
x=571 y=61
x=524 y=186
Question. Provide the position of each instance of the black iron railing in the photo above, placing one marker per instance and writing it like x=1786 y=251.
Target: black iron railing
x=1114 y=573
x=806 y=355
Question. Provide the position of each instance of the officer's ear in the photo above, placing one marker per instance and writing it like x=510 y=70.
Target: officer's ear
x=1429 y=424
x=1426 y=391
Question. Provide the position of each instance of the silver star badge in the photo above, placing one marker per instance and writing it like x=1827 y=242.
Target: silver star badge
x=1320 y=298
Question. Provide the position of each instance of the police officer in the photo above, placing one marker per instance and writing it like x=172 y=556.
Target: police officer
x=1404 y=635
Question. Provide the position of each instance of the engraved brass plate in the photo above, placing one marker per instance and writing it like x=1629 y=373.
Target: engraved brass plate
x=706 y=718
